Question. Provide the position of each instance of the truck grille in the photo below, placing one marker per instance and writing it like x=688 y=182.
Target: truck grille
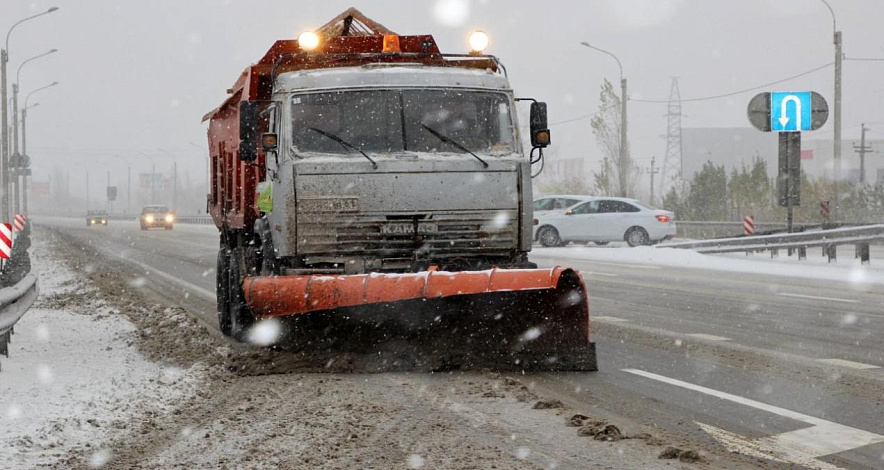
x=440 y=234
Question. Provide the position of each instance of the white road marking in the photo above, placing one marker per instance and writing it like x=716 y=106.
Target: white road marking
x=604 y=318
x=800 y=447
x=708 y=337
x=814 y=297
x=596 y=273
x=205 y=293
x=846 y=363
x=623 y=265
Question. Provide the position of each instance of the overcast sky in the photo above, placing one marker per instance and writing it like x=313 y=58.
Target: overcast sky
x=137 y=76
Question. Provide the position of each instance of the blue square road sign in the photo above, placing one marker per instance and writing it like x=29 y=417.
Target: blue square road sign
x=790 y=111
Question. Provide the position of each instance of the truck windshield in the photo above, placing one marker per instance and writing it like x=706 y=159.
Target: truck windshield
x=385 y=121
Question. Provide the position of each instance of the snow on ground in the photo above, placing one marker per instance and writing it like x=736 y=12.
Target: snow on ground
x=73 y=379
x=846 y=268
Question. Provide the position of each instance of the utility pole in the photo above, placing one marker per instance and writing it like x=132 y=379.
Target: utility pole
x=106 y=189
x=128 y=188
x=153 y=185
x=87 y=191
x=862 y=150
x=837 y=115
x=653 y=171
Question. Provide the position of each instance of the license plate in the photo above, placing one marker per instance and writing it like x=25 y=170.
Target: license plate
x=408 y=228
x=329 y=204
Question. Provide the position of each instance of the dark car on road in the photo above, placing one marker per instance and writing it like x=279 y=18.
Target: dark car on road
x=156 y=217
x=96 y=217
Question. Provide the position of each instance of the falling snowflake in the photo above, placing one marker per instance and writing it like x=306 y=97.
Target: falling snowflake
x=99 y=458
x=265 y=333
x=415 y=461
x=531 y=334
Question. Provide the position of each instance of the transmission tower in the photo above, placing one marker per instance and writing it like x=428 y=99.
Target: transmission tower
x=672 y=164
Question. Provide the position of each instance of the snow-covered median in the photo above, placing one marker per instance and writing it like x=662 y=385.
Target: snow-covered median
x=847 y=268
x=74 y=380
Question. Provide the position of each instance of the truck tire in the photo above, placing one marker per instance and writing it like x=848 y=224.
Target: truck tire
x=222 y=289
x=241 y=318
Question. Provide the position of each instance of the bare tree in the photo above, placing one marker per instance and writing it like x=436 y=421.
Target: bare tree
x=621 y=177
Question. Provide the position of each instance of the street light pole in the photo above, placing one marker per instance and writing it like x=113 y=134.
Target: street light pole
x=16 y=156
x=4 y=141
x=836 y=163
x=24 y=152
x=622 y=169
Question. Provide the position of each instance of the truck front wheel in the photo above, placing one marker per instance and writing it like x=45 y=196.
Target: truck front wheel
x=241 y=317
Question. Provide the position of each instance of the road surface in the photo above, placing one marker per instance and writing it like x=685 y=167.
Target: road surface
x=777 y=370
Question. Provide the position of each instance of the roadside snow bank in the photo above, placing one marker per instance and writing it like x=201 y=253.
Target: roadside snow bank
x=74 y=379
x=845 y=269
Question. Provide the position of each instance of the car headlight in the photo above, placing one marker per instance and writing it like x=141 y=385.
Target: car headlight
x=170 y=218
x=149 y=219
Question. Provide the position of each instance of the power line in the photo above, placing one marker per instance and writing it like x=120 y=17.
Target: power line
x=865 y=59
x=712 y=97
x=738 y=92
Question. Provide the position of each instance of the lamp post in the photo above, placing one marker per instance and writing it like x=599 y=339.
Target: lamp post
x=24 y=151
x=16 y=156
x=836 y=112
x=622 y=169
x=4 y=59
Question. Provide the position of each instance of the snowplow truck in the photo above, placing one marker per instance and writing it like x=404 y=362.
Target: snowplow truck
x=362 y=180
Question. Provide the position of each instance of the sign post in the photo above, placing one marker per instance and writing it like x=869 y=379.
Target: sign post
x=789 y=113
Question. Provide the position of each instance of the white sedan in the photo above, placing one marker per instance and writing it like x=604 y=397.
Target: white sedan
x=605 y=219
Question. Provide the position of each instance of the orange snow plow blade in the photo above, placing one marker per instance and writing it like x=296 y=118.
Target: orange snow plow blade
x=532 y=318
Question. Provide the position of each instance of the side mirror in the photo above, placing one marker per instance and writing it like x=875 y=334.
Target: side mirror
x=251 y=122
x=569 y=212
x=539 y=127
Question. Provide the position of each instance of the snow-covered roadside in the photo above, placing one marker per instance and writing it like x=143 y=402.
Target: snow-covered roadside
x=74 y=380
x=845 y=269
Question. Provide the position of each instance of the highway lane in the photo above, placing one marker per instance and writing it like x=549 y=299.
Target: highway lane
x=660 y=302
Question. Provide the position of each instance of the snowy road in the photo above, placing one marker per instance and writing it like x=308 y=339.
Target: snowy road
x=674 y=338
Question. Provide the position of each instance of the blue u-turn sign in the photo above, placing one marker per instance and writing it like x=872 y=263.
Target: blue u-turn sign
x=790 y=111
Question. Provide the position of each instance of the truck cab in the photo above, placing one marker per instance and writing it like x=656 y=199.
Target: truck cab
x=396 y=167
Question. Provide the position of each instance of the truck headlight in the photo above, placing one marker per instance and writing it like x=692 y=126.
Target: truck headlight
x=170 y=218
x=149 y=219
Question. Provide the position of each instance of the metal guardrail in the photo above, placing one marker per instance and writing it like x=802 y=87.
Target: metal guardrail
x=17 y=298
x=828 y=239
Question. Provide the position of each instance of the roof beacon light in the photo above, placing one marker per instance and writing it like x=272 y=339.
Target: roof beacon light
x=308 y=40
x=391 y=43
x=478 y=41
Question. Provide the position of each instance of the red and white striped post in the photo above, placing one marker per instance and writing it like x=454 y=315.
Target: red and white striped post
x=749 y=225
x=5 y=243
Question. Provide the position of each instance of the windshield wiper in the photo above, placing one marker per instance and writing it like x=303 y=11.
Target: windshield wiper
x=452 y=142
x=345 y=144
